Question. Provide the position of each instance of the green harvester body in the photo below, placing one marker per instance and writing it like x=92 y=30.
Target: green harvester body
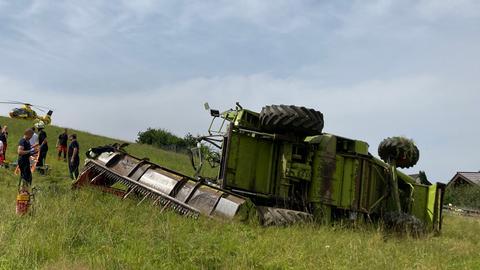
x=277 y=177
x=329 y=176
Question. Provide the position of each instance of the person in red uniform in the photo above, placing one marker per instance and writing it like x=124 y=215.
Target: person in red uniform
x=62 y=144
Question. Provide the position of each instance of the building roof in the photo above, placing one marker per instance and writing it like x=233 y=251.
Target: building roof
x=472 y=177
x=421 y=178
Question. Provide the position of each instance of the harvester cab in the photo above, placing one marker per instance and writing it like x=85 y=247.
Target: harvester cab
x=226 y=116
x=217 y=133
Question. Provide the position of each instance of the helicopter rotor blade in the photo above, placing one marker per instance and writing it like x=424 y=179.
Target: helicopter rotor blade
x=42 y=110
x=42 y=107
x=13 y=103
x=38 y=107
x=16 y=101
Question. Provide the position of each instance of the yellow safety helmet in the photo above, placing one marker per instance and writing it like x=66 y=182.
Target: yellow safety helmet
x=40 y=125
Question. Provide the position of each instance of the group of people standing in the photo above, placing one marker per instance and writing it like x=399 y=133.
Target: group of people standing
x=33 y=143
x=71 y=151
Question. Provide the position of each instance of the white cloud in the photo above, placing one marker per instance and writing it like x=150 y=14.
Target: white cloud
x=434 y=9
x=402 y=19
x=143 y=7
x=35 y=7
x=282 y=16
x=102 y=18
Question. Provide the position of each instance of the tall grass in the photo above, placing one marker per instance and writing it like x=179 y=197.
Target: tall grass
x=86 y=229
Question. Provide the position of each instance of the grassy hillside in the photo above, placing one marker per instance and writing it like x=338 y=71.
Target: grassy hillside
x=87 y=140
x=87 y=229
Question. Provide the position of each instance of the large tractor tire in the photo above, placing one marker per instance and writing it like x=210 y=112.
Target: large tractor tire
x=291 y=119
x=400 y=150
x=404 y=223
x=270 y=216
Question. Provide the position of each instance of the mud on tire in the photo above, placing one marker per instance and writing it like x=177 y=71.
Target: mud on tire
x=294 y=119
x=399 y=149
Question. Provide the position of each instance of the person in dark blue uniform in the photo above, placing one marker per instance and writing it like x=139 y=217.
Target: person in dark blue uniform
x=73 y=156
x=43 y=144
x=24 y=151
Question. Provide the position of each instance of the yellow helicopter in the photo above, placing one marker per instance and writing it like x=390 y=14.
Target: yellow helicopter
x=26 y=112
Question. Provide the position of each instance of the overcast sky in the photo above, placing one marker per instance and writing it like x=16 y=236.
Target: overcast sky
x=374 y=68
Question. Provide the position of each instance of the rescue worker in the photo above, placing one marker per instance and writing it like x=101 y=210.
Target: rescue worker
x=24 y=152
x=73 y=157
x=62 y=144
x=34 y=139
x=4 y=138
x=43 y=144
x=2 y=157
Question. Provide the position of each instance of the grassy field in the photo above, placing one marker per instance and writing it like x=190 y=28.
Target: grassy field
x=87 y=229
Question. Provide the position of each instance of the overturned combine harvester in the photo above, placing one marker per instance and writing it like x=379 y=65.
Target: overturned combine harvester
x=277 y=166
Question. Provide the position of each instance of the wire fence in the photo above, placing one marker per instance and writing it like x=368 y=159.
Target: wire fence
x=174 y=148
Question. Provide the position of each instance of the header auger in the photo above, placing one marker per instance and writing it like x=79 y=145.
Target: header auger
x=279 y=167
